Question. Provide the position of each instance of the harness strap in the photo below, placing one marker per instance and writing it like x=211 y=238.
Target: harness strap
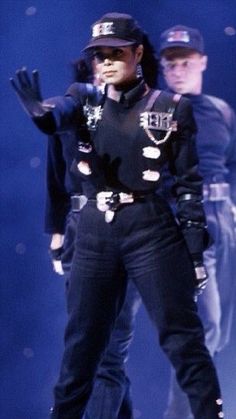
x=152 y=100
x=154 y=96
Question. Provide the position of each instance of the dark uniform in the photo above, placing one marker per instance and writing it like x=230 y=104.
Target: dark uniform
x=126 y=229
x=139 y=240
x=110 y=398
x=216 y=145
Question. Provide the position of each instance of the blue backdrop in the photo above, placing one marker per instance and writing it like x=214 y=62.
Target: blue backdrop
x=49 y=35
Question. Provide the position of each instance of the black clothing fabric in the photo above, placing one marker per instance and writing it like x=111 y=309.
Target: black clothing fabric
x=111 y=395
x=216 y=145
x=143 y=243
x=216 y=141
x=61 y=181
x=126 y=146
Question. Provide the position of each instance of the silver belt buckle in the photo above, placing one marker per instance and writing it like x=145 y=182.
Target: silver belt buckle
x=109 y=202
x=103 y=200
x=126 y=198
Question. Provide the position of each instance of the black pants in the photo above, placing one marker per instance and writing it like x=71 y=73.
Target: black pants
x=111 y=396
x=144 y=241
x=216 y=304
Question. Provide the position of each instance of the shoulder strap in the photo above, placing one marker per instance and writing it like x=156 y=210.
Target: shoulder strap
x=174 y=100
x=84 y=93
x=152 y=100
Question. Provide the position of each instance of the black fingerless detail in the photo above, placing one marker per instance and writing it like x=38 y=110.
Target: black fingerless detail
x=56 y=253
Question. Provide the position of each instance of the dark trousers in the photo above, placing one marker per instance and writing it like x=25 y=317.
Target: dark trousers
x=216 y=304
x=145 y=244
x=110 y=398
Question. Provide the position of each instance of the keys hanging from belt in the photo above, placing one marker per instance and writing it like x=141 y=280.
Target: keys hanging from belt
x=109 y=202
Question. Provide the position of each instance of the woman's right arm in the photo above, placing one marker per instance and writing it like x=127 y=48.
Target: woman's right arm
x=51 y=115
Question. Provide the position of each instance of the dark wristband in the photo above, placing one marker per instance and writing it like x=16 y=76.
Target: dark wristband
x=56 y=253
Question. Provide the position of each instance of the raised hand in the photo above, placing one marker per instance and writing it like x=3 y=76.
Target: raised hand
x=28 y=92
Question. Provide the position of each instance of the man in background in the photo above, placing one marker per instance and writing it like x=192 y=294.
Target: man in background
x=183 y=62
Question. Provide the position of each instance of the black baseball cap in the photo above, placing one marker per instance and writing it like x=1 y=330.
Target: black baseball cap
x=182 y=36
x=115 y=30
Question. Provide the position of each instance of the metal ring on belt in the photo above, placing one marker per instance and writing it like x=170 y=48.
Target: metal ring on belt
x=78 y=202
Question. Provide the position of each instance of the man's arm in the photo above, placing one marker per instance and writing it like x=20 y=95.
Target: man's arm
x=187 y=189
x=229 y=118
x=51 y=115
x=57 y=196
x=57 y=200
x=231 y=163
x=231 y=157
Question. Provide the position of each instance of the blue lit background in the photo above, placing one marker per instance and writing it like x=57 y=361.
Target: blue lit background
x=48 y=35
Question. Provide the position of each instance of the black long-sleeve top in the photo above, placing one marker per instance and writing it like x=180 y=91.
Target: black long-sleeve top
x=118 y=141
x=61 y=182
x=216 y=140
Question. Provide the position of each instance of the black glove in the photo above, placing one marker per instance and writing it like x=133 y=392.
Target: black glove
x=201 y=276
x=28 y=93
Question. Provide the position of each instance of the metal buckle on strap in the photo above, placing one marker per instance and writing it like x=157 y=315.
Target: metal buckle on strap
x=216 y=191
x=109 y=202
x=78 y=202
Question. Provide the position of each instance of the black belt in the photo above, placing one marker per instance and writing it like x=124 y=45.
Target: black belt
x=109 y=200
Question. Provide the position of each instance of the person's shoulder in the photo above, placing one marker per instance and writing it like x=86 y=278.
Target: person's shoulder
x=176 y=98
x=79 y=89
x=177 y=104
x=83 y=93
x=223 y=107
x=218 y=102
x=168 y=95
x=172 y=99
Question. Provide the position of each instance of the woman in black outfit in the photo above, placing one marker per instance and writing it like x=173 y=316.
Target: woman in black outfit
x=126 y=229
